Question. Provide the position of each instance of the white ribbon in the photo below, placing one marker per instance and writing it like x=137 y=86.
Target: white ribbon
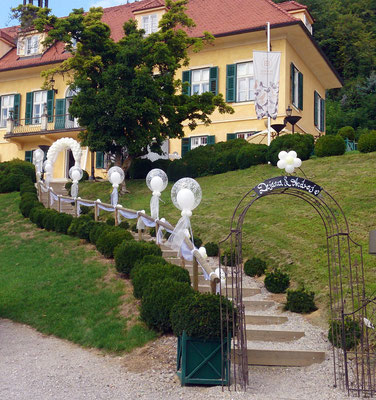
x=104 y=208
x=114 y=196
x=83 y=203
x=128 y=214
x=53 y=197
x=140 y=223
x=159 y=236
x=154 y=205
x=178 y=235
x=147 y=222
x=74 y=189
x=66 y=200
x=43 y=187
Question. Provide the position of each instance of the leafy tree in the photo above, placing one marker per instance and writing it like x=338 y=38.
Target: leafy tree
x=128 y=96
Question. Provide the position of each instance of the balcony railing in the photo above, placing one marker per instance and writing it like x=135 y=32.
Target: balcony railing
x=43 y=124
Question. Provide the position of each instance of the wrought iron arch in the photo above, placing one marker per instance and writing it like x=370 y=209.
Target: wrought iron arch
x=354 y=366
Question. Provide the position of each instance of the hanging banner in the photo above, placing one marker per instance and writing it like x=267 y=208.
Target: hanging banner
x=266 y=70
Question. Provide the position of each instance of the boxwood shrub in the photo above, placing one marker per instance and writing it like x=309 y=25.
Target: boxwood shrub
x=352 y=333
x=49 y=219
x=129 y=252
x=199 y=316
x=110 y=239
x=124 y=225
x=143 y=275
x=228 y=258
x=367 y=142
x=62 y=222
x=28 y=205
x=80 y=225
x=36 y=212
x=277 y=281
x=300 y=301
x=139 y=168
x=330 y=145
x=11 y=183
x=302 y=143
x=253 y=154
x=28 y=186
x=212 y=249
x=178 y=169
x=40 y=214
x=96 y=230
x=26 y=196
x=347 y=132
x=255 y=267
x=157 y=303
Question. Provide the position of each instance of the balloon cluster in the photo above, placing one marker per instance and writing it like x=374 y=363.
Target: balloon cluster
x=289 y=161
x=38 y=156
x=75 y=173
x=156 y=181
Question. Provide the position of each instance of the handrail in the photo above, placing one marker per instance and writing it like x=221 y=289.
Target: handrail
x=213 y=277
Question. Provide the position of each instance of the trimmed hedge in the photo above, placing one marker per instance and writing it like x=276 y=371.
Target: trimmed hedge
x=128 y=253
x=330 y=145
x=300 y=301
x=48 y=220
x=253 y=154
x=80 y=227
x=367 y=142
x=144 y=275
x=277 y=281
x=302 y=143
x=255 y=267
x=62 y=223
x=157 y=303
x=110 y=239
x=212 y=249
x=199 y=316
x=96 y=230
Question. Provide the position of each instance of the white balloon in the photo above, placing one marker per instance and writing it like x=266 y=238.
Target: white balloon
x=297 y=162
x=202 y=252
x=157 y=184
x=289 y=159
x=48 y=168
x=185 y=199
x=289 y=168
x=292 y=153
x=76 y=176
x=115 y=178
x=282 y=155
x=281 y=164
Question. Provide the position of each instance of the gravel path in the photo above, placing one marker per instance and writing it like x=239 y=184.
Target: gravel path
x=38 y=367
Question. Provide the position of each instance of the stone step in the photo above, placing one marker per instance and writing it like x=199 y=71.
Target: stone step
x=264 y=319
x=284 y=358
x=168 y=253
x=257 y=305
x=177 y=261
x=265 y=335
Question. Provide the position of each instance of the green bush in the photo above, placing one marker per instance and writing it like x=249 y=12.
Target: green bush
x=152 y=232
x=110 y=239
x=352 y=333
x=253 y=154
x=367 y=142
x=26 y=207
x=129 y=252
x=144 y=274
x=85 y=176
x=161 y=164
x=199 y=316
x=300 y=301
x=28 y=186
x=62 y=223
x=39 y=217
x=80 y=224
x=330 y=145
x=301 y=143
x=134 y=228
x=83 y=230
x=178 y=169
x=197 y=242
x=228 y=258
x=84 y=210
x=149 y=259
x=68 y=186
x=347 y=132
x=96 y=230
x=49 y=219
x=124 y=225
x=18 y=167
x=110 y=221
x=139 y=168
x=277 y=281
x=11 y=183
x=35 y=212
x=27 y=196
x=255 y=267
x=212 y=249
x=157 y=303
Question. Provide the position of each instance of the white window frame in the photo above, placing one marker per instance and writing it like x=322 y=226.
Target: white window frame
x=202 y=83
x=295 y=94
x=38 y=106
x=70 y=122
x=31 y=45
x=197 y=141
x=249 y=80
x=6 y=108
x=149 y=23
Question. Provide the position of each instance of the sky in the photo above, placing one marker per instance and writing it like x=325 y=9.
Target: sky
x=60 y=8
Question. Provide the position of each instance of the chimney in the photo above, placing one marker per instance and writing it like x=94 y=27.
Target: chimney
x=40 y=3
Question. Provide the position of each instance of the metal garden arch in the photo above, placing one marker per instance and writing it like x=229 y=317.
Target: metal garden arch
x=354 y=356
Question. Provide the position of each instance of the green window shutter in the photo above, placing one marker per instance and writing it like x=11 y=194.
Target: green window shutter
x=211 y=139
x=187 y=78
x=316 y=109
x=29 y=108
x=99 y=159
x=214 y=80
x=16 y=108
x=292 y=69
x=322 y=115
x=29 y=156
x=50 y=105
x=60 y=114
x=300 y=90
x=231 y=136
x=231 y=83
x=185 y=146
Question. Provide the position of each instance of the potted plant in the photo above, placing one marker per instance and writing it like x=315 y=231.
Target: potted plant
x=203 y=354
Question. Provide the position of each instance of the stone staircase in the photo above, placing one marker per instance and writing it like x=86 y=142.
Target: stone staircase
x=273 y=338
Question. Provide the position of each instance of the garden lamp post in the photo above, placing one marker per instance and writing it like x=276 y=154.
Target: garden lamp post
x=291 y=119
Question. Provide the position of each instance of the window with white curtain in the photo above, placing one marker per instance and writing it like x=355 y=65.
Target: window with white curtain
x=245 y=81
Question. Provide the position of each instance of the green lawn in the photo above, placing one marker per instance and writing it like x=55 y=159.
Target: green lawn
x=60 y=286
x=285 y=231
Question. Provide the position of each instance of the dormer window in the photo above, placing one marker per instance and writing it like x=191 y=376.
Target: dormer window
x=28 y=45
x=150 y=23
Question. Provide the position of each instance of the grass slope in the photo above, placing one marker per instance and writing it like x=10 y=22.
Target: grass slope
x=285 y=231
x=60 y=286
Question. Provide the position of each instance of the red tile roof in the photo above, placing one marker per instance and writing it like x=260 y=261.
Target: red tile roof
x=219 y=17
x=292 y=6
